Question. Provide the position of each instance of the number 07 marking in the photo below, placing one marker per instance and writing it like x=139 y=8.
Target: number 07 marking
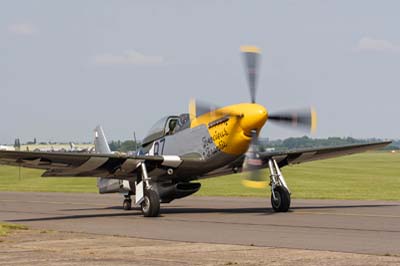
x=157 y=145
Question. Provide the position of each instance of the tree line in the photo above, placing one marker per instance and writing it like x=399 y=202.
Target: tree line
x=123 y=146
x=306 y=142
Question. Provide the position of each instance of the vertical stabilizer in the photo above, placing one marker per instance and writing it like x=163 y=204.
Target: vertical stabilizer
x=100 y=141
x=106 y=185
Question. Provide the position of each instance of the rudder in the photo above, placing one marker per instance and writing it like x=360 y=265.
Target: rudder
x=100 y=141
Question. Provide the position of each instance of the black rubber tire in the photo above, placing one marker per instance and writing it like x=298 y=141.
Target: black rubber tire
x=127 y=204
x=151 y=204
x=282 y=204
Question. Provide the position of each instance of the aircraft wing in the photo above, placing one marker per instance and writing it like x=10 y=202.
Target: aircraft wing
x=69 y=164
x=306 y=155
x=284 y=158
x=118 y=166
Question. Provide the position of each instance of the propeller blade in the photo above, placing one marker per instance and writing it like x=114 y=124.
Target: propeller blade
x=199 y=108
x=251 y=55
x=202 y=107
x=303 y=119
x=252 y=164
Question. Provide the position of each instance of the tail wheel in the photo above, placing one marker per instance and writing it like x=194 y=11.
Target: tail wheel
x=281 y=203
x=127 y=204
x=151 y=204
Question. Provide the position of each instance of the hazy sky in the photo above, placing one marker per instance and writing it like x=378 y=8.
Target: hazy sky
x=66 y=66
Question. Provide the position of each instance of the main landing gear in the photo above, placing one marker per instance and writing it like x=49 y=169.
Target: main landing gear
x=280 y=193
x=145 y=196
x=150 y=205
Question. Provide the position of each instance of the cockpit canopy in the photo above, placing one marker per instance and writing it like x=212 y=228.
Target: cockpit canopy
x=167 y=125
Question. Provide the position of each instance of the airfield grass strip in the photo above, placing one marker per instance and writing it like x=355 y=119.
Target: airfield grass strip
x=6 y=228
x=373 y=175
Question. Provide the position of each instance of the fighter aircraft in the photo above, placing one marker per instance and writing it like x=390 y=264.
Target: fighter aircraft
x=208 y=141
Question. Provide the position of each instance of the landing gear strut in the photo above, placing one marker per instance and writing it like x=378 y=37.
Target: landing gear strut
x=146 y=196
x=280 y=193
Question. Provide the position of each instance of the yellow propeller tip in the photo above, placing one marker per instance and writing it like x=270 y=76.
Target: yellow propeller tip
x=192 y=109
x=313 y=120
x=250 y=49
x=255 y=184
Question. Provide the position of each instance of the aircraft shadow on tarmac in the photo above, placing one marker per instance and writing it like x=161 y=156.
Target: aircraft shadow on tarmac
x=183 y=210
x=180 y=209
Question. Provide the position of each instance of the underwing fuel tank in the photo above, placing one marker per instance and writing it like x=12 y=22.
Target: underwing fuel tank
x=113 y=186
x=168 y=192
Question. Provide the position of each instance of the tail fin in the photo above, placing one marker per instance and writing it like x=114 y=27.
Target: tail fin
x=107 y=185
x=100 y=141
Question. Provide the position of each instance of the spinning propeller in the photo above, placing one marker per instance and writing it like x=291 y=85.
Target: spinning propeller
x=299 y=119
x=303 y=119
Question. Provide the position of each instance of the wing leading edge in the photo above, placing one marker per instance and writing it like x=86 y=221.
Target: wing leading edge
x=86 y=165
x=313 y=154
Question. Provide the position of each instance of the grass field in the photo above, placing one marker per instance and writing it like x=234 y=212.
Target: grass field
x=374 y=175
x=6 y=228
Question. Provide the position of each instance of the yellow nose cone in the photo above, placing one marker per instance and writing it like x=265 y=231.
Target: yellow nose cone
x=254 y=117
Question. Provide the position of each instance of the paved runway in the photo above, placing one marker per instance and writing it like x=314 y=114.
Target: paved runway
x=350 y=226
